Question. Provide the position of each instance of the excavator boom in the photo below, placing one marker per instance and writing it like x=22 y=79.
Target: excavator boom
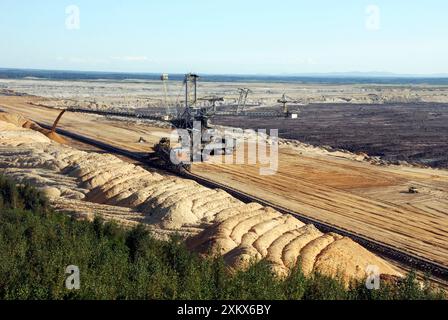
x=55 y=124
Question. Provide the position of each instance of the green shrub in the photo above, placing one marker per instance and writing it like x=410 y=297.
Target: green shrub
x=37 y=244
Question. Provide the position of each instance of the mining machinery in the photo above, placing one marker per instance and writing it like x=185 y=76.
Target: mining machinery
x=194 y=120
x=212 y=100
x=285 y=101
x=242 y=101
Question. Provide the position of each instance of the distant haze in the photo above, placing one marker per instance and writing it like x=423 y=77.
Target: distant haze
x=336 y=78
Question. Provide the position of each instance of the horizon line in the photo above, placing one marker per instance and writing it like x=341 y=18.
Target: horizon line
x=348 y=74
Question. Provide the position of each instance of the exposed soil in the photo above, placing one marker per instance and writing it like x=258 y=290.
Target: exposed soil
x=334 y=187
x=415 y=133
x=90 y=183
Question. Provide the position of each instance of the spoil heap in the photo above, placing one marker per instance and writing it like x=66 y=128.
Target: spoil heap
x=19 y=121
x=216 y=221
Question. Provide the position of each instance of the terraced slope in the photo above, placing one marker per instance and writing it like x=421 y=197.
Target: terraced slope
x=369 y=200
x=76 y=180
x=337 y=188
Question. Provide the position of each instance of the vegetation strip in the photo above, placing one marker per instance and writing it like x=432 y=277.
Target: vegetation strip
x=37 y=244
x=413 y=261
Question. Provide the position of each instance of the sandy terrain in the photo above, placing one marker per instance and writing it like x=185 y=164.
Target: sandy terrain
x=110 y=131
x=397 y=122
x=141 y=94
x=89 y=183
x=335 y=187
x=369 y=200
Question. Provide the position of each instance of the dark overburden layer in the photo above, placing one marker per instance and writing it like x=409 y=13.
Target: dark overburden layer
x=416 y=133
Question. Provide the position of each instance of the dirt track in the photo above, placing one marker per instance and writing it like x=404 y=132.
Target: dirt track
x=357 y=196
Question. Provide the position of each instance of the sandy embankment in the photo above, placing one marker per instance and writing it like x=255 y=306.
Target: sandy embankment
x=93 y=183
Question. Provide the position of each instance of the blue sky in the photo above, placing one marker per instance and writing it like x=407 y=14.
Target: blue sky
x=227 y=36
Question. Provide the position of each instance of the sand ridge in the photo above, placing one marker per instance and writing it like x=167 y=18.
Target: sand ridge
x=215 y=221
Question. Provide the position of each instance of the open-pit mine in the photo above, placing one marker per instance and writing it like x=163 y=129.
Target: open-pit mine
x=331 y=176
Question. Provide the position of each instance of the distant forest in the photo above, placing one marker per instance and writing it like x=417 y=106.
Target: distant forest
x=331 y=78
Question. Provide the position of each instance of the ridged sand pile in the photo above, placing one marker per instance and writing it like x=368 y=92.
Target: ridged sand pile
x=103 y=184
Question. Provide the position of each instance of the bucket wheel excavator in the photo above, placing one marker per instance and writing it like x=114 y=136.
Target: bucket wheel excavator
x=195 y=120
x=173 y=156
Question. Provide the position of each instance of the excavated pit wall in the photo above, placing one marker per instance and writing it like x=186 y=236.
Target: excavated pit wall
x=215 y=221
